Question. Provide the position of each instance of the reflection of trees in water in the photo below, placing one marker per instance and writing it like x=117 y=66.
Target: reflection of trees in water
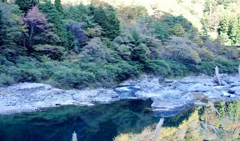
x=224 y=125
x=219 y=122
x=101 y=122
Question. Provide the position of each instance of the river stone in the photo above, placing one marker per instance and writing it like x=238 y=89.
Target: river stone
x=146 y=83
x=213 y=94
x=198 y=88
x=168 y=80
x=235 y=90
x=189 y=97
x=181 y=86
x=228 y=79
x=126 y=91
x=234 y=84
x=170 y=101
x=29 y=87
x=188 y=80
x=199 y=103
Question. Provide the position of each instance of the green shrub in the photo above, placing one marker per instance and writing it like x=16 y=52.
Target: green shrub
x=207 y=67
x=129 y=70
x=4 y=61
x=25 y=75
x=157 y=67
x=73 y=78
x=177 y=68
x=5 y=80
x=161 y=31
x=227 y=65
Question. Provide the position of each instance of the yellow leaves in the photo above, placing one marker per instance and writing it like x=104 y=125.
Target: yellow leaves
x=94 y=32
x=178 y=30
x=20 y=23
x=175 y=132
x=132 y=22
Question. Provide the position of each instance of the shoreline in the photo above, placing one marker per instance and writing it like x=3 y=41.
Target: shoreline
x=167 y=95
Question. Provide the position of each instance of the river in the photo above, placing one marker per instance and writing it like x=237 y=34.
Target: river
x=123 y=120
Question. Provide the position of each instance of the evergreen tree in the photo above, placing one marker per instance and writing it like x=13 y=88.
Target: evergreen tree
x=80 y=13
x=224 y=25
x=91 y=10
x=108 y=20
x=112 y=23
x=233 y=29
x=1 y=28
x=100 y=17
x=10 y=30
x=223 y=31
x=238 y=31
x=24 y=4
x=136 y=37
x=85 y=17
x=58 y=6
x=54 y=17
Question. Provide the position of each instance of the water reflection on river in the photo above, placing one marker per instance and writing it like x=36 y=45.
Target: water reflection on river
x=121 y=121
x=216 y=123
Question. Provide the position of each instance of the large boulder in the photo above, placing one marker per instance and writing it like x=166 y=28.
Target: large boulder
x=169 y=103
x=146 y=83
x=126 y=91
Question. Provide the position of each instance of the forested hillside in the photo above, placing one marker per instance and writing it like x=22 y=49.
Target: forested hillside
x=101 y=43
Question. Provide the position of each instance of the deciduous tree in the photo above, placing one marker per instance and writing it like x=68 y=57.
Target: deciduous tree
x=35 y=21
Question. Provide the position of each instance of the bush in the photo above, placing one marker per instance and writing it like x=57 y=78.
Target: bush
x=161 y=31
x=6 y=80
x=207 y=67
x=25 y=75
x=177 y=68
x=178 y=30
x=73 y=78
x=227 y=66
x=157 y=67
x=129 y=70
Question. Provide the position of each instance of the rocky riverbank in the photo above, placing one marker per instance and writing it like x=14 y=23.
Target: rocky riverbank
x=168 y=96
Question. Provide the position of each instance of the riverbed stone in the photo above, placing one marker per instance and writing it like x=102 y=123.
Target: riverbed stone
x=170 y=98
x=197 y=88
x=235 y=90
x=188 y=80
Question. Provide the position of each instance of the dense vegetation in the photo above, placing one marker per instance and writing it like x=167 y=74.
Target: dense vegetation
x=97 y=45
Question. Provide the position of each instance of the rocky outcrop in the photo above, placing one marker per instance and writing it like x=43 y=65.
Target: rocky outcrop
x=168 y=96
x=33 y=96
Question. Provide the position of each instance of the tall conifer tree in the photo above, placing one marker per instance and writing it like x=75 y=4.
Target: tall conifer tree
x=100 y=17
x=1 y=29
x=24 y=4
x=112 y=23
x=58 y=6
x=233 y=29
x=54 y=17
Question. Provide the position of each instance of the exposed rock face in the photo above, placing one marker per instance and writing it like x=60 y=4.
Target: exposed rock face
x=168 y=96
